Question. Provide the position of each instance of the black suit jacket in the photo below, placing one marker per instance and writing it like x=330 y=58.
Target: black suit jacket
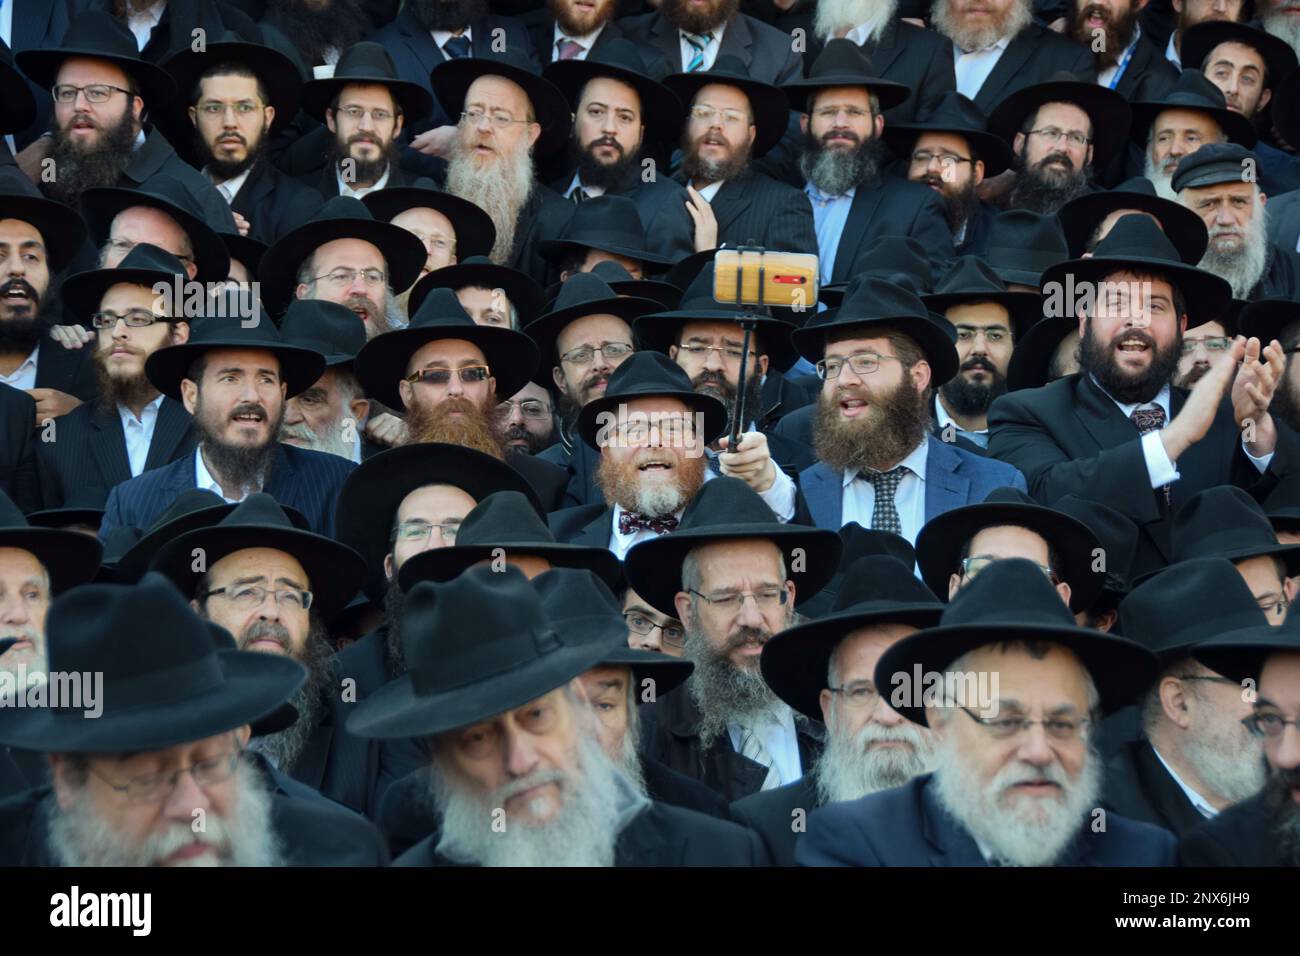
x=545 y=216
x=1139 y=787
x=767 y=52
x=541 y=33
x=892 y=206
x=1281 y=279
x=1283 y=223
x=774 y=215
x=1148 y=75
x=1032 y=57
x=779 y=816
x=18 y=472
x=1242 y=835
x=274 y=203
x=1069 y=437
x=88 y=456
x=66 y=370
x=156 y=157
x=661 y=205
x=325 y=183
x=549 y=480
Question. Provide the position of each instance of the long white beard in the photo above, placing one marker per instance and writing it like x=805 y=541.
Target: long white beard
x=79 y=836
x=499 y=188
x=1162 y=180
x=1242 y=266
x=1282 y=25
x=331 y=442
x=967 y=38
x=1032 y=831
x=848 y=770
x=836 y=15
x=1225 y=756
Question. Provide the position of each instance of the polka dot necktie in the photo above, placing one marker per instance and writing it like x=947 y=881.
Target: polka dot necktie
x=1150 y=420
x=884 y=513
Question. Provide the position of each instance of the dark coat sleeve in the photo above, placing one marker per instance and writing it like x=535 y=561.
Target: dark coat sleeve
x=18 y=473
x=834 y=839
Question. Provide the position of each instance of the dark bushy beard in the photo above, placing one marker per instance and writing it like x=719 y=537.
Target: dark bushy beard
x=680 y=15
x=393 y=600
x=19 y=336
x=315 y=31
x=1285 y=812
x=836 y=171
x=695 y=169
x=78 y=169
x=968 y=398
x=535 y=442
x=1119 y=32
x=240 y=465
x=1042 y=192
x=449 y=15
x=285 y=746
x=960 y=207
x=365 y=170
x=592 y=172
x=724 y=693
x=1099 y=360
x=223 y=169
x=895 y=423
x=134 y=391
x=473 y=428
x=716 y=384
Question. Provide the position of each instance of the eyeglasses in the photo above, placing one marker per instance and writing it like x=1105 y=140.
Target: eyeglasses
x=242 y=108
x=863 y=363
x=1269 y=724
x=674 y=635
x=249 y=596
x=356 y=114
x=766 y=599
x=417 y=531
x=95 y=93
x=672 y=429
x=727 y=354
x=134 y=319
x=862 y=694
x=1005 y=728
x=124 y=246
x=1053 y=135
x=529 y=408
x=583 y=354
x=342 y=277
x=156 y=787
x=498 y=118
x=469 y=375
x=1275 y=608
x=833 y=112
x=966 y=333
x=923 y=157
x=1215 y=343
x=974 y=565
x=708 y=115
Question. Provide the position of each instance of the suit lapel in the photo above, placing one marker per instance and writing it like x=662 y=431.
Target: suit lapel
x=1100 y=416
x=171 y=428
x=309 y=768
x=730 y=202
x=861 y=212
x=823 y=489
x=665 y=36
x=738 y=40
x=108 y=445
x=420 y=42
x=596 y=534
x=642 y=843
x=255 y=189
x=1163 y=791
x=884 y=51
x=945 y=489
x=1006 y=70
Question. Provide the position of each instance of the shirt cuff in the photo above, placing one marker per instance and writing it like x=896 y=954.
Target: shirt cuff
x=1160 y=469
x=781 y=496
x=1262 y=462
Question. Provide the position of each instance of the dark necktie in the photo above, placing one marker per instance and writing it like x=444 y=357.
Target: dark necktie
x=630 y=522
x=884 y=513
x=456 y=48
x=1150 y=420
x=566 y=49
x=578 y=196
x=699 y=42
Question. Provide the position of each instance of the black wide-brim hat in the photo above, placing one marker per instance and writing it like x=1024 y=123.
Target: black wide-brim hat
x=1022 y=245
x=1199 y=41
x=1224 y=521
x=67 y=516
x=451 y=80
x=661 y=109
x=17 y=104
x=666 y=672
x=606 y=223
x=1081 y=216
x=665 y=294
x=278 y=74
x=1193 y=92
x=444 y=564
x=1240 y=655
x=193 y=508
x=769 y=104
x=246 y=250
x=581 y=295
x=843 y=63
x=1264 y=319
x=795 y=662
x=982 y=614
x=650 y=375
x=63 y=232
x=98 y=35
x=70 y=557
x=144 y=265
x=1107 y=109
x=940 y=543
x=367 y=63
x=958 y=115
x=1032 y=358
x=971 y=280
x=857 y=542
x=475 y=233
x=325 y=327
x=520 y=288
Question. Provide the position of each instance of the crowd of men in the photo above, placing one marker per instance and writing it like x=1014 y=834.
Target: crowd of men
x=387 y=474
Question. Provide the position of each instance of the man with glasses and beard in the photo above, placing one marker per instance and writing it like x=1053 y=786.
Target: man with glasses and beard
x=854 y=201
x=234 y=376
x=166 y=750
x=1210 y=182
x=1144 y=447
x=528 y=419
x=1263 y=830
x=825 y=670
x=1128 y=61
x=1017 y=772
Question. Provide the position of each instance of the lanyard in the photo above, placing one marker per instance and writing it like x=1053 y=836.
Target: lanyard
x=1123 y=63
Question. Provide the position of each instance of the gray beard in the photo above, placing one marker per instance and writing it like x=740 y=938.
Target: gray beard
x=847 y=770
x=835 y=15
x=835 y=172
x=1244 y=266
x=331 y=442
x=1225 y=757
x=1286 y=28
x=942 y=20
x=1162 y=180
x=501 y=190
x=725 y=694
x=79 y=837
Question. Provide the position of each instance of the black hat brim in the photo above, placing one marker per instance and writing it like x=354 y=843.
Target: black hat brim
x=83 y=292
x=990 y=149
x=553 y=250
x=475 y=233
x=1033 y=353
x=1264 y=319
x=300 y=368
x=442 y=564
x=17 y=104
x=1108 y=111
x=546 y=328
x=771 y=108
x=70 y=557
x=415 y=101
x=524 y=294
x=1206 y=295
x=1238 y=129
x=658 y=331
x=1024 y=308
x=41 y=66
x=101 y=206
x=800 y=91
x=939 y=348
x=1240 y=655
x=132 y=565
x=63 y=517
x=666 y=672
x=1081 y=216
x=661 y=109
x=63 y=232
x=452 y=79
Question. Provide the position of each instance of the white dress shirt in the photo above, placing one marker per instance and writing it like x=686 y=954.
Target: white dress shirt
x=586 y=41
x=710 y=51
x=203 y=479
x=782 y=742
x=979 y=436
x=1171 y=54
x=358 y=192
x=859 y=499
x=24 y=376
x=575 y=184
x=973 y=68
x=1198 y=801
x=139 y=433
x=142 y=22
x=230 y=188
x=711 y=190
x=440 y=37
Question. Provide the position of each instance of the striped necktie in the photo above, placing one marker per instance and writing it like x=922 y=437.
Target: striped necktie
x=699 y=42
x=456 y=48
x=566 y=49
x=751 y=746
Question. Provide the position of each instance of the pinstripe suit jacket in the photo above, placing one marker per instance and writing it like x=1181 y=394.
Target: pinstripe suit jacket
x=775 y=215
x=18 y=474
x=302 y=479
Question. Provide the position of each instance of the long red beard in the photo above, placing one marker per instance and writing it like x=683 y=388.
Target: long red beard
x=471 y=429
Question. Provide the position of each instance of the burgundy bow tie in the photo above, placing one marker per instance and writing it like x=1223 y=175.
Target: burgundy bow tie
x=630 y=521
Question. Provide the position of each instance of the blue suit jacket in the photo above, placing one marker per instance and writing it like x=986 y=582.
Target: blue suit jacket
x=907 y=827
x=953 y=477
x=302 y=479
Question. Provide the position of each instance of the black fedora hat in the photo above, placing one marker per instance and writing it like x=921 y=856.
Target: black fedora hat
x=650 y=375
x=84 y=508
x=622 y=60
x=70 y=557
x=659 y=330
x=1199 y=41
x=877 y=590
x=620 y=280
x=609 y=224
x=1119 y=540
x=1136 y=244
x=335 y=572
x=63 y=232
x=1241 y=655
x=164 y=680
x=381 y=364
x=117 y=541
x=299 y=368
x=192 y=508
x=1175 y=610
x=520 y=288
x=969 y=280
x=1226 y=522
x=342 y=217
x=1030 y=365
x=451 y=80
x=1106 y=108
x=503 y=523
x=583 y=608
x=245 y=250
x=939 y=545
x=1022 y=245
x=102 y=204
x=17 y=104
x=727 y=509
x=325 y=327
x=872 y=302
x=581 y=295
x=366 y=63
x=367 y=504
x=683 y=273
x=98 y=35
x=958 y=115
x=475 y=233
x=981 y=614
x=901 y=259
x=476 y=646
x=144 y=265
x=1081 y=216
x=857 y=542
x=768 y=103
x=843 y=63
x=1265 y=319
x=1193 y=91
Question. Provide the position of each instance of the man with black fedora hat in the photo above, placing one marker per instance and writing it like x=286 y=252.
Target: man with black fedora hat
x=878 y=355
x=451 y=228
x=1119 y=540
x=1022 y=245
x=1145 y=447
x=824 y=669
x=731 y=731
x=128 y=786
x=1191 y=758
x=234 y=376
x=1004 y=792
x=26 y=115
x=491 y=294
x=854 y=200
x=604 y=228
x=1087 y=219
x=731 y=121
x=129 y=426
x=329 y=416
